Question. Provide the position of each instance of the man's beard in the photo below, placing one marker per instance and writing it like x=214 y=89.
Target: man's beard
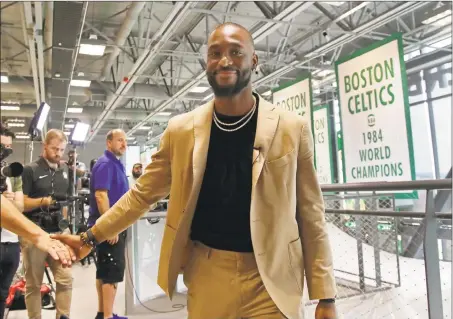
x=136 y=175
x=243 y=79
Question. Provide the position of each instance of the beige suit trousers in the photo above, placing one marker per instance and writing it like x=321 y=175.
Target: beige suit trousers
x=226 y=285
x=34 y=265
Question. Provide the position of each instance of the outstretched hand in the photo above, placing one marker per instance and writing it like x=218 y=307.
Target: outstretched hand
x=56 y=249
x=75 y=242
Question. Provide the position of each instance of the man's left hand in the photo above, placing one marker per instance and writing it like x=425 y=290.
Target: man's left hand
x=326 y=310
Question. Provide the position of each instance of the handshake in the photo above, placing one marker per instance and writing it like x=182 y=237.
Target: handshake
x=63 y=247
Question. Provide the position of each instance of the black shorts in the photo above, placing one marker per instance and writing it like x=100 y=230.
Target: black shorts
x=111 y=261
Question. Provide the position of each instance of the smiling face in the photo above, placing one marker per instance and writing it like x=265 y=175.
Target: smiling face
x=231 y=59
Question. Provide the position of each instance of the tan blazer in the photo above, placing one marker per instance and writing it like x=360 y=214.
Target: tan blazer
x=287 y=211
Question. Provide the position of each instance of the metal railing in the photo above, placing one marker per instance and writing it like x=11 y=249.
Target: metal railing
x=365 y=217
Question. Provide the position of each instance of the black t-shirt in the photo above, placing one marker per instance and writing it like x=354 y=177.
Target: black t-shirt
x=39 y=180
x=222 y=216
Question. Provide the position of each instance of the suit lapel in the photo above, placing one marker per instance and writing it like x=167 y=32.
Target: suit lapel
x=265 y=132
x=202 y=123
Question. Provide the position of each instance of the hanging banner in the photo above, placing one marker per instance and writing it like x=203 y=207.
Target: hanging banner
x=323 y=144
x=295 y=96
x=374 y=112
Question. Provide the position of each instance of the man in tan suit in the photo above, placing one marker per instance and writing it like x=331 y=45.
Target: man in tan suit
x=245 y=219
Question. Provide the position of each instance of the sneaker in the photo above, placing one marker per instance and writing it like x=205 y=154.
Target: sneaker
x=100 y=315
x=117 y=317
x=64 y=317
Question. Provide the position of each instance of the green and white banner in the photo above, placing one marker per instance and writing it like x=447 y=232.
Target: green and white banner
x=374 y=111
x=295 y=96
x=323 y=144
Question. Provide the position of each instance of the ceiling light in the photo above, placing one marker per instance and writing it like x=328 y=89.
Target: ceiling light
x=199 y=89
x=16 y=124
x=92 y=49
x=10 y=108
x=323 y=73
x=440 y=19
x=69 y=125
x=130 y=138
x=4 y=79
x=75 y=110
x=335 y=3
x=208 y=97
x=267 y=93
x=67 y=133
x=81 y=83
x=144 y=127
x=164 y=113
x=22 y=136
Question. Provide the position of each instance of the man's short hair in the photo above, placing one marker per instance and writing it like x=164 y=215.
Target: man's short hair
x=111 y=132
x=236 y=25
x=55 y=134
x=137 y=164
x=4 y=131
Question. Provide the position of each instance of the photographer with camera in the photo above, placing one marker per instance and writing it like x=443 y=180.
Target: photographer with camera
x=11 y=189
x=44 y=181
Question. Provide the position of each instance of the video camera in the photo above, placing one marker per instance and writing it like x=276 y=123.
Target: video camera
x=13 y=170
x=51 y=218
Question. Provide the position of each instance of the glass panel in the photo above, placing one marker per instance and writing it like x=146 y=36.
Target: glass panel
x=438 y=80
x=416 y=87
x=421 y=134
x=442 y=122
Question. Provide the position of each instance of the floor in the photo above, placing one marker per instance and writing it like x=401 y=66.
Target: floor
x=84 y=300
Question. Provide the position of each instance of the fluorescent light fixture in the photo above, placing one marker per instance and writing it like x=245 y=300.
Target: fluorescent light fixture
x=43 y=115
x=323 y=73
x=164 y=113
x=267 y=93
x=208 y=97
x=440 y=19
x=75 y=110
x=130 y=138
x=69 y=125
x=10 y=108
x=92 y=49
x=67 y=133
x=16 y=124
x=335 y=3
x=80 y=132
x=22 y=136
x=144 y=127
x=81 y=83
x=4 y=79
x=199 y=89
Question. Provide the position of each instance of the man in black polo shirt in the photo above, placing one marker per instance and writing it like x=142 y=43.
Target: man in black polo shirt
x=44 y=180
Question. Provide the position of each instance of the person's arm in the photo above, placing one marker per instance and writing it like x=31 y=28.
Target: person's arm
x=27 y=185
x=18 y=193
x=102 y=200
x=312 y=226
x=154 y=185
x=13 y=220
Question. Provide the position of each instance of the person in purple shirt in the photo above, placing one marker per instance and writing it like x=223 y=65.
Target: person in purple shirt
x=108 y=184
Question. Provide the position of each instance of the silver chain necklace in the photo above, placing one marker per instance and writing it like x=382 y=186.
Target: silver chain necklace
x=246 y=118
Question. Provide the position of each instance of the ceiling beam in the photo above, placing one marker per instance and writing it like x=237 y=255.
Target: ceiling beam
x=174 y=19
